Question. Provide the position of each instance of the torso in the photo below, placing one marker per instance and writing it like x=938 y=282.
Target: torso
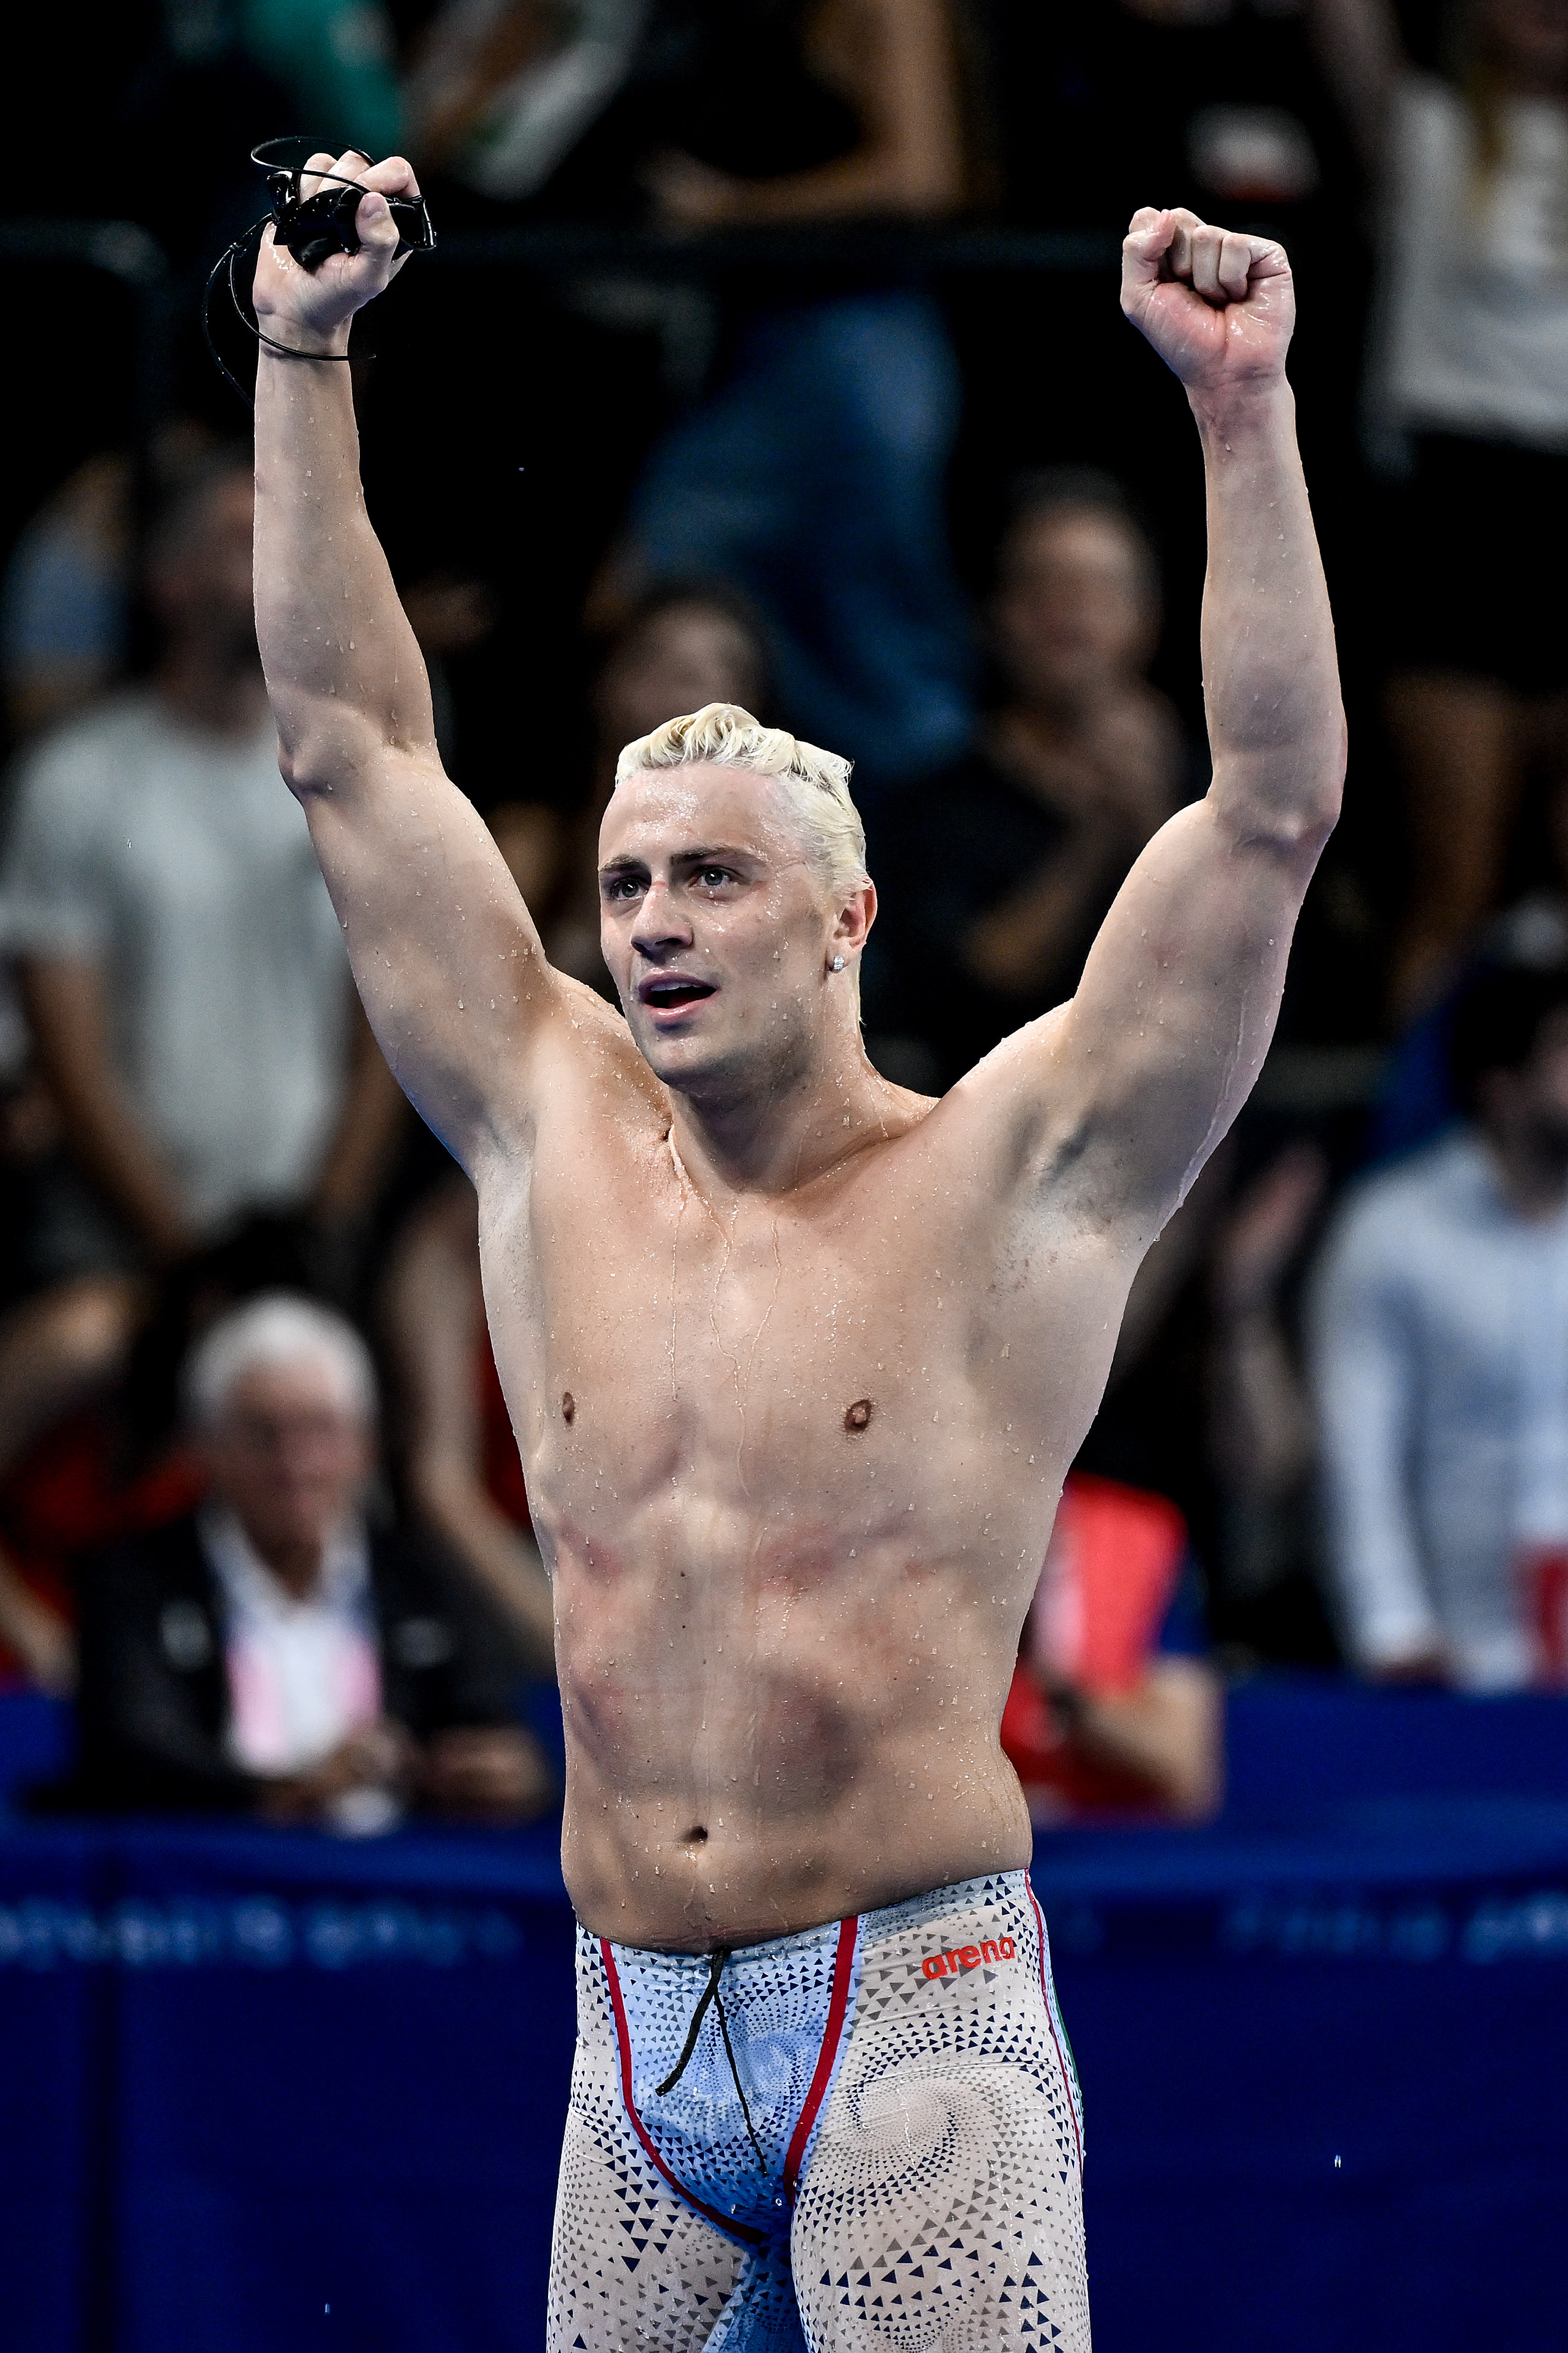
x=794 y=1471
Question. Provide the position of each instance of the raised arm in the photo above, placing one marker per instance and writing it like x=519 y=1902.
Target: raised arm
x=1142 y=1074
x=446 y=957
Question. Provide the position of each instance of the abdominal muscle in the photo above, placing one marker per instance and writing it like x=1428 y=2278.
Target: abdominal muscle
x=760 y=1743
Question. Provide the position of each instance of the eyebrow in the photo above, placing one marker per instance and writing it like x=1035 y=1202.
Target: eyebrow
x=626 y=864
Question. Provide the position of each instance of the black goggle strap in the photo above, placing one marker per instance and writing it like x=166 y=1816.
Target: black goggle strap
x=283 y=187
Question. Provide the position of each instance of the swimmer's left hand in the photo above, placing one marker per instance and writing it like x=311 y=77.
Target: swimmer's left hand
x=1217 y=306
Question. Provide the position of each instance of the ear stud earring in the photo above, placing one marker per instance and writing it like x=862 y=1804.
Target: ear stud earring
x=837 y=966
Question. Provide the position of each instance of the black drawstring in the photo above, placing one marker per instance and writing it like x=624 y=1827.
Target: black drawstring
x=710 y=1994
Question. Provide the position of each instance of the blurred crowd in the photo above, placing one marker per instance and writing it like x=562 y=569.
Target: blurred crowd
x=797 y=426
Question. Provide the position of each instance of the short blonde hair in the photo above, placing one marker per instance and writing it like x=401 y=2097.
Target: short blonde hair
x=817 y=782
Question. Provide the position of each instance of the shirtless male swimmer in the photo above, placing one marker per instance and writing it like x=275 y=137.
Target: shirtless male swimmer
x=797 y=1361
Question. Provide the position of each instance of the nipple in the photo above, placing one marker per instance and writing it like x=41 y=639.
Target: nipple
x=857 y=1416
x=568 y=1405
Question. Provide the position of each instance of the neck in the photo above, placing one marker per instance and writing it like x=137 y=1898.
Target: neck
x=781 y=1137
x=221 y=692
x=1532 y=1169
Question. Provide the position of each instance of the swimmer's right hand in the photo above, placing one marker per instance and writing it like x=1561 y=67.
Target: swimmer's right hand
x=309 y=310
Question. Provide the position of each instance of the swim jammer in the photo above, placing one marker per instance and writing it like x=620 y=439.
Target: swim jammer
x=869 y=2135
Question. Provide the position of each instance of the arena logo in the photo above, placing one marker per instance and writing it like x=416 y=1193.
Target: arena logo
x=957 y=1963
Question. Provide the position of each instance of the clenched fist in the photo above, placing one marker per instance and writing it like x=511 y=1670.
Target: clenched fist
x=309 y=310
x=1217 y=306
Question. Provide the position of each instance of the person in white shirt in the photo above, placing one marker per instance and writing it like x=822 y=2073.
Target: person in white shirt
x=183 y=973
x=276 y=1652
x=1470 y=392
x=1439 y=1350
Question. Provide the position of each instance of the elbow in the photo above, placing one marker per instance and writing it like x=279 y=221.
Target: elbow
x=326 y=753
x=307 y=767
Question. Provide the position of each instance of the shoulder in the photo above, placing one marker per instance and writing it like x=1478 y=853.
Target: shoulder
x=1003 y=1120
x=604 y=1064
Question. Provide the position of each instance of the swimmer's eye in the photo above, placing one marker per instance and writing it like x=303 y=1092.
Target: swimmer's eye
x=622 y=886
x=711 y=878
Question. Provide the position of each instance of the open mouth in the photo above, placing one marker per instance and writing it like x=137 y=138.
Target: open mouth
x=668 y=992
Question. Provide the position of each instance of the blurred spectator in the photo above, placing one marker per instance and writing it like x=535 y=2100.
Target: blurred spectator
x=460 y=1460
x=685 y=644
x=184 y=972
x=1470 y=385
x=999 y=868
x=217 y=76
x=1202 y=102
x=1112 y=1705
x=67 y=617
x=1440 y=1349
x=813 y=473
x=63 y=638
x=38 y=1635
x=274 y=1653
x=1263 y=1438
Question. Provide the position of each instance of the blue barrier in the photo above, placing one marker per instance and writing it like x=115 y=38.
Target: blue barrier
x=252 y=2075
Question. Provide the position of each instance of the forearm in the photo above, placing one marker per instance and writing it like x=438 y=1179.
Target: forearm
x=37 y=1634
x=106 y=1138
x=1271 y=687
x=1167 y=1733
x=343 y=669
x=65 y=1008
x=872 y=181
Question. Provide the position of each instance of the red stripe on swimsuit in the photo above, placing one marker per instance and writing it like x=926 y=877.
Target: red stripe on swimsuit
x=725 y=2222
x=831 y=2035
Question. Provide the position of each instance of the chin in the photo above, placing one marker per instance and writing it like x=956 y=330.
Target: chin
x=732 y=1067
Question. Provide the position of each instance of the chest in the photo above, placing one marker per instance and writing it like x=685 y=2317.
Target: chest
x=829 y=1364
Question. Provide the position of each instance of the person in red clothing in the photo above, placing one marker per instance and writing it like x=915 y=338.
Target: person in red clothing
x=1112 y=1709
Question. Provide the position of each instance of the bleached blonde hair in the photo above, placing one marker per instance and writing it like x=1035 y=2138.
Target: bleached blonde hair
x=817 y=782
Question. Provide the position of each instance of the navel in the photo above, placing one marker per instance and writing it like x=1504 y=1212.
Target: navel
x=857 y=1416
x=568 y=1405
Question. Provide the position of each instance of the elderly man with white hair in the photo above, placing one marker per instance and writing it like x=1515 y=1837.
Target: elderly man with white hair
x=276 y=1652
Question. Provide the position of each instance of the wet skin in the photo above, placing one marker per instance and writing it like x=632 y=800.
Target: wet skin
x=793 y=1450
x=796 y=1361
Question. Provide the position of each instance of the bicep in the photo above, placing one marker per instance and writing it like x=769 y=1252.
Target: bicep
x=446 y=957
x=1161 y=1044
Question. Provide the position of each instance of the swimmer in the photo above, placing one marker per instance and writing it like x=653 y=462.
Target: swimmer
x=797 y=1361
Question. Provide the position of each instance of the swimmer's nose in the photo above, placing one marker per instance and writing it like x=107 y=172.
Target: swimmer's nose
x=660 y=924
